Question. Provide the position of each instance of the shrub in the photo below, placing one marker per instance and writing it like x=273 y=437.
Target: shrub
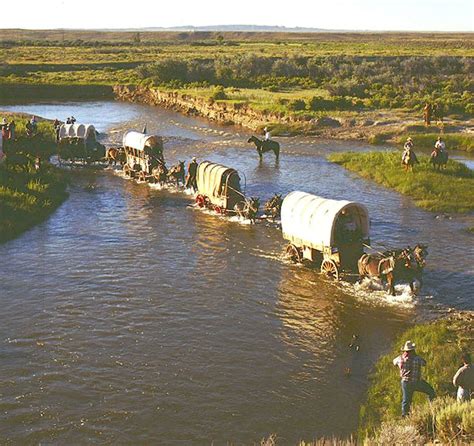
x=297 y=105
x=219 y=94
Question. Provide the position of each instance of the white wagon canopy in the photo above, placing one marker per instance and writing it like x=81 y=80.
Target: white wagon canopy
x=80 y=131
x=140 y=141
x=317 y=222
x=220 y=184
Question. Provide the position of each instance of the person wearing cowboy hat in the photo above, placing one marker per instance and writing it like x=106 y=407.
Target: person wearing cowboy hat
x=410 y=365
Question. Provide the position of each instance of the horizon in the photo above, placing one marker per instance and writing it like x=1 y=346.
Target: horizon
x=340 y=15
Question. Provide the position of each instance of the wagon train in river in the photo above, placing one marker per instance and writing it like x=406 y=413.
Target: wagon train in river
x=77 y=142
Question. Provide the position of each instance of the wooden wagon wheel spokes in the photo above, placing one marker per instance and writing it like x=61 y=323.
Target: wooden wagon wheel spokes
x=294 y=254
x=329 y=269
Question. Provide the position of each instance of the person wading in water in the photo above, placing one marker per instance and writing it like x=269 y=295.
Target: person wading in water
x=191 y=178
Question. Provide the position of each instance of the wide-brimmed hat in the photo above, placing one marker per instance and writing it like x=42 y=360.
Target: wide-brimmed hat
x=194 y=158
x=409 y=139
x=409 y=346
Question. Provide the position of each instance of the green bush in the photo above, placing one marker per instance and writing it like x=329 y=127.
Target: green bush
x=219 y=94
x=297 y=105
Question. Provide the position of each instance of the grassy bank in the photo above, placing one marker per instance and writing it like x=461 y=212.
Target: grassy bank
x=28 y=198
x=27 y=195
x=440 y=343
x=451 y=190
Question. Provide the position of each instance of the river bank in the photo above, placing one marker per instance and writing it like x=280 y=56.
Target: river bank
x=447 y=190
x=28 y=195
x=373 y=126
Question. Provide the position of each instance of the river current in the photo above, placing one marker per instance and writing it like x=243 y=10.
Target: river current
x=129 y=317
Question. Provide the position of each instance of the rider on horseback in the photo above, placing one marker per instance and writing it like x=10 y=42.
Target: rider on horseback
x=266 y=134
x=440 y=145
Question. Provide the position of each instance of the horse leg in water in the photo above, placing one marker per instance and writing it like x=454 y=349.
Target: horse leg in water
x=391 y=283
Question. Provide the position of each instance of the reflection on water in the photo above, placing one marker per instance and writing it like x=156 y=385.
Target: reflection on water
x=129 y=317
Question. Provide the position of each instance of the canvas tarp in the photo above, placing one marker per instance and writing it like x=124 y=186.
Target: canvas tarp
x=139 y=141
x=311 y=221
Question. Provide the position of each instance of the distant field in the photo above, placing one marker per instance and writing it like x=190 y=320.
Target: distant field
x=301 y=75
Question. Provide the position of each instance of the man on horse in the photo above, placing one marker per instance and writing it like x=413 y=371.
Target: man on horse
x=266 y=133
x=408 y=157
x=440 y=145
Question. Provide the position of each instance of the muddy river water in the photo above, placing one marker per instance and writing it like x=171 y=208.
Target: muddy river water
x=129 y=317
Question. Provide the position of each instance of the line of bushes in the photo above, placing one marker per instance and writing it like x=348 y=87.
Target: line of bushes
x=377 y=82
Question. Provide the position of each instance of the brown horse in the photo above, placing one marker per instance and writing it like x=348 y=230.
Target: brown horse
x=272 y=207
x=248 y=208
x=176 y=173
x=420 y=252
x=439 y=159
x=114 y=155
x=409 y=159
x=389 y=266
x=160 y=174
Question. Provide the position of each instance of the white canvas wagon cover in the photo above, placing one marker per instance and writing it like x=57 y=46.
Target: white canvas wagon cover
x=83 y=131
x=310 y=220
x=220 y=183
x=139 y=141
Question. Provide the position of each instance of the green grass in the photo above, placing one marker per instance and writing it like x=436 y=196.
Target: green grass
x=27 y=196
x=440 y=344
x=451 y=190
x=453 y=141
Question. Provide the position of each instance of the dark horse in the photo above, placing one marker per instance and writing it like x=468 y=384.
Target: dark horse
x=176 y=173
x=265 y=146
x=439 y=159
x=272 y=207
x=390 y=266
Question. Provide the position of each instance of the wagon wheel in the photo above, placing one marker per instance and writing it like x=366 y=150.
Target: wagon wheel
x=200 y=201
x=329 y=269
x=142 y=176
x=294 y=253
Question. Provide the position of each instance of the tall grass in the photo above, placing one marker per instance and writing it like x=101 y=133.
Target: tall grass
x=450 y=190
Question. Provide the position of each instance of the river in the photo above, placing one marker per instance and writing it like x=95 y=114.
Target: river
x=129 y=317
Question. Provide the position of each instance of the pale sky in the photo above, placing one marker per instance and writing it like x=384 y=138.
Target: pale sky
x=410 y=15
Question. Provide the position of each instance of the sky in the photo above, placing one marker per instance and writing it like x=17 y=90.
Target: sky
x=378 y=15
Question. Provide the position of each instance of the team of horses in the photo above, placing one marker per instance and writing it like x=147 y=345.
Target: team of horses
x=395 y=265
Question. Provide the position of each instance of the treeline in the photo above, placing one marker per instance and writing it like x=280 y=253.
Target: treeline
x=376 y=82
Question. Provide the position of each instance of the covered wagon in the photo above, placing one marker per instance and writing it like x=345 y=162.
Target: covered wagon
x=331 y=233
x=218 y=187
x=78 y=142
x=143 y=153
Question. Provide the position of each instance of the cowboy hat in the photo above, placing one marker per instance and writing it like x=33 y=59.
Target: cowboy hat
x=409 y=139
x=409 y=346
